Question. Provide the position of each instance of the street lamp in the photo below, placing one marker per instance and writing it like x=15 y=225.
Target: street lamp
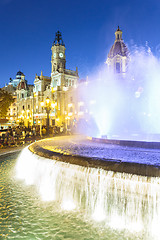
x=47 y=106
x=33 y=109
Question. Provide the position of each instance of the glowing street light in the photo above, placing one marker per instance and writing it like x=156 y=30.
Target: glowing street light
x=47 y=106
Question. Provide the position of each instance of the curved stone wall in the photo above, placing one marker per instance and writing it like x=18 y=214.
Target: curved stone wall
x=39 y=148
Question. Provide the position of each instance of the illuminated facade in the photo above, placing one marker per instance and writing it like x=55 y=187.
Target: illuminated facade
x=12 y=111
x=24 y=102
x=66 y=106
x=63 y=82
x=59 y=88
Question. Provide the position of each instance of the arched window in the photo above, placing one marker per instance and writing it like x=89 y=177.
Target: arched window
x=117 y=67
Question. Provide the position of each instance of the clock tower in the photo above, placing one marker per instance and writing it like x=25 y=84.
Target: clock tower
x=63 y=83
x=58 y=60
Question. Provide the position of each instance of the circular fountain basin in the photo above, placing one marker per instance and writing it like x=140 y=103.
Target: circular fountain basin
x=92 y=179
x=87 y=152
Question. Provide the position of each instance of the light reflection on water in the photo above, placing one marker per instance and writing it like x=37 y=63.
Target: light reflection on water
x=25 y=216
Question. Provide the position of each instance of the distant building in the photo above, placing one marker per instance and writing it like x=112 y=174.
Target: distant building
x=12 y=111
x=24 y=93
x=11 y=87
x=63 y=81
x=13 y=83
x=59 y=89
x=62 y=88
x=118 y=56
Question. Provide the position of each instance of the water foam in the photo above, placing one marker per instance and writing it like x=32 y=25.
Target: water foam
x=121 y=201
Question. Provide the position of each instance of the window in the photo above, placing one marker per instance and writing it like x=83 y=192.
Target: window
x=23 y=107
x=118 y=67
x=28 y=106
x=58 y=82
x=66 y=83
x=22 y=95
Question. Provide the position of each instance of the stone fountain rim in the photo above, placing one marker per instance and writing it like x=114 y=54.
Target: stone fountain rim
x=93 y=162
x=128 y=143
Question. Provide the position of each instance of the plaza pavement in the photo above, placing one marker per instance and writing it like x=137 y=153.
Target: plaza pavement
x=10 y=150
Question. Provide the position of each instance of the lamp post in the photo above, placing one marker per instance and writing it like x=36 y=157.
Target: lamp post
x=33 y=111
x=48 y=111
x=47 y=108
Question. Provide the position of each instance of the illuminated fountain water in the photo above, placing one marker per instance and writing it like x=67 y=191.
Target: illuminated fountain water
x=125 y=107
x=121 y=201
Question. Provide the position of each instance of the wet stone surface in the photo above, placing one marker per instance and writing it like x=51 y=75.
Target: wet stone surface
x=81 y=146
x=124 y=159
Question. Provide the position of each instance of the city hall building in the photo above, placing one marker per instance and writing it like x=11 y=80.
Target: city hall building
x=57 y=98
x=54 y=95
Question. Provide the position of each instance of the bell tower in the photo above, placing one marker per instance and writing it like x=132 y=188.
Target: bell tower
x=58 y=60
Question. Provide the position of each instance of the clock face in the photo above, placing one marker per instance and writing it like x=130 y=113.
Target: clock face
x=54 y=55
x=61 y=55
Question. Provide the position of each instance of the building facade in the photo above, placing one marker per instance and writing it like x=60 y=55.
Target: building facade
x=11 y=87
x=32 y=106
x=57 y=97
x=25 y=103
x=63 y=83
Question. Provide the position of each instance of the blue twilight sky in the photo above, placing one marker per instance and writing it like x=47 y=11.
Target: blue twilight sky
x=27 y=30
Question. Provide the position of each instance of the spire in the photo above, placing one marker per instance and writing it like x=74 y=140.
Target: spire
x=118 y=34
x=58 y=39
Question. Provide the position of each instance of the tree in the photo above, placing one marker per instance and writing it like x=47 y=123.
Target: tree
x=5 y=101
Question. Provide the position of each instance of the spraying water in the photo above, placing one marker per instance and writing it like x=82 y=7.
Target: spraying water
x=125 y=105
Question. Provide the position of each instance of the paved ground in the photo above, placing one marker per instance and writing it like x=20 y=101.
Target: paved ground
x=7 y=150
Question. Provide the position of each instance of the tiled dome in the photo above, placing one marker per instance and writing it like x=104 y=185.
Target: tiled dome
x=19 y=73
x=22 y=85
x=119 y=47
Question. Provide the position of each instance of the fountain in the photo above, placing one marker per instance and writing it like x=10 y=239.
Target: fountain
x=80 y=180
x=125 y=106
x=101 y=181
